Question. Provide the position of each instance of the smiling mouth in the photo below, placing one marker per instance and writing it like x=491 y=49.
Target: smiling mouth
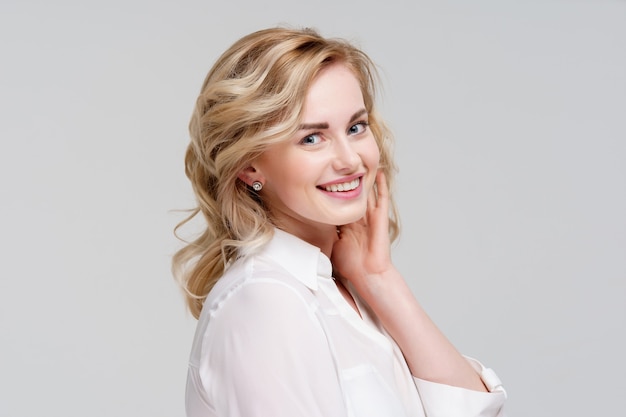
x=344 y=186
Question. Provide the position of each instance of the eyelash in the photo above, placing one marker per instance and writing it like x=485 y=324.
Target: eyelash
x=362 y=123
x=302 y=141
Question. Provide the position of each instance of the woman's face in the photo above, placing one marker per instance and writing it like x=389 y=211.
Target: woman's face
x=321 y=177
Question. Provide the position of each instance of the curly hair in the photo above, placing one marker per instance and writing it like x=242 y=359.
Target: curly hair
x=252 y=98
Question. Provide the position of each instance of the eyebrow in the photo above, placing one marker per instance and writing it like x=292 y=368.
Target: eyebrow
x=311 y=126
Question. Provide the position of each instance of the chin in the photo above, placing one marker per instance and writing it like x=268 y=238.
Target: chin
x=351 y=219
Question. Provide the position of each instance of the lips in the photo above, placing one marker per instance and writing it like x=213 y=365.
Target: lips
x=343 y=186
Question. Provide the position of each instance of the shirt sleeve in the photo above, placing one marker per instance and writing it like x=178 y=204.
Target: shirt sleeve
x=265 y=354
x=440 y=400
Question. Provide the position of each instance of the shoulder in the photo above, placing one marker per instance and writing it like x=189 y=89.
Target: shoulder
x=260 y=305
x=258 y=329
x=255 y=298
x=256 y=285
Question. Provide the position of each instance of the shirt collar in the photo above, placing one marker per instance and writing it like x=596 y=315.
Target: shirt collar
x=302 y=260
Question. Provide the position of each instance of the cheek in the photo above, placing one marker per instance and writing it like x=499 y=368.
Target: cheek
x=297 y=172
x=373 y=155
x=293 y=180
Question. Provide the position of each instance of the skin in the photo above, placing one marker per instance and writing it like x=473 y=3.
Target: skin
x=362 y=256
x=339 y=150
x=333 y=146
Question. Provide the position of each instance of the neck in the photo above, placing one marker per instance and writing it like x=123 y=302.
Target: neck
x=321 y=235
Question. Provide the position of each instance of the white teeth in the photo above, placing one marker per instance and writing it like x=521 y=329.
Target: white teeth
x=346 y=186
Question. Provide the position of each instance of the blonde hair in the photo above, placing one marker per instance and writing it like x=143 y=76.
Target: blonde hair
x=252 y=98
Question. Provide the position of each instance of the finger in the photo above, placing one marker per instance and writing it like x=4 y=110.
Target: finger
x=383 y=191
x=371 y=200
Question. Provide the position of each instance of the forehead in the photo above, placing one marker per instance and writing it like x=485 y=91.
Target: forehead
x=334 y=90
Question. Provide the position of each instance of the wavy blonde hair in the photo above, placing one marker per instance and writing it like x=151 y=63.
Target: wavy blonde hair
x=253 y=98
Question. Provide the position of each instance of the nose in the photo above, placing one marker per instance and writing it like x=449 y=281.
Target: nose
x=346 y=158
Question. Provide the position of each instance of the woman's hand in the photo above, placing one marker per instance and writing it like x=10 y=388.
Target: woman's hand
x=361 y=254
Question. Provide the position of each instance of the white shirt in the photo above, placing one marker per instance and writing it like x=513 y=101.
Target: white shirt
x=277 y=338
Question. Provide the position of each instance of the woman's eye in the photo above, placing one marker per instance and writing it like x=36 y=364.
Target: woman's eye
x=357 y=128
x=312 y=139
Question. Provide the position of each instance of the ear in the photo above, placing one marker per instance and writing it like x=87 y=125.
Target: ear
x=250 y=175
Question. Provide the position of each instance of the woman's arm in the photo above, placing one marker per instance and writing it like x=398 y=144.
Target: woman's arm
x=266 y=355
x=362 y=256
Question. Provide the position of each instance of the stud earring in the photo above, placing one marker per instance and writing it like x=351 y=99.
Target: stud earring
x=257 y=185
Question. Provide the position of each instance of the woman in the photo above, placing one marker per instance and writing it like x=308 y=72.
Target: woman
x=301 y=312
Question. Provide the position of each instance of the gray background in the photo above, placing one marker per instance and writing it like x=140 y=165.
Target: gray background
x=511 y=142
